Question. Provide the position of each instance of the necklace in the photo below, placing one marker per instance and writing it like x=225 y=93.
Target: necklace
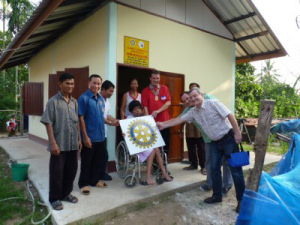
x=155 y=92
x=134 y=98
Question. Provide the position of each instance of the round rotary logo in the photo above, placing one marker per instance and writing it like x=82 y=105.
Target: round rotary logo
x=142 y=134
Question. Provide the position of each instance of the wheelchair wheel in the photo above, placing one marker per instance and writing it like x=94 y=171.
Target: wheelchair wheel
x=130 y=181
x=155 y=169
x=122 y=159
x=158 y=178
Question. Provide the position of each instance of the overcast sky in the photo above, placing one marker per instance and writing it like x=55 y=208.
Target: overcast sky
x=281 y=17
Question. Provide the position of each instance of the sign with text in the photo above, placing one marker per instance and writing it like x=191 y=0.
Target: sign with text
x=136 y=52
x=141 y=134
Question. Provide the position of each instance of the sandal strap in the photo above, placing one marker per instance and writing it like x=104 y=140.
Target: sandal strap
x=71 y=198
x=57 y=205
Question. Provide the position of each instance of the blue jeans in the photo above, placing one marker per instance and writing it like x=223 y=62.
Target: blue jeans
x=227 y=178
x=223 y=148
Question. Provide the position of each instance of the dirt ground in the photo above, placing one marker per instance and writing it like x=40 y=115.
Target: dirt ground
x=183 y=208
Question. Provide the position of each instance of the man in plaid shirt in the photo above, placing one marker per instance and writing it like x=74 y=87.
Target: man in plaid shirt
x=221 y=127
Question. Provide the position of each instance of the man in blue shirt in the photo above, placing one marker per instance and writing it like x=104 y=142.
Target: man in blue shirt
x=91 y=111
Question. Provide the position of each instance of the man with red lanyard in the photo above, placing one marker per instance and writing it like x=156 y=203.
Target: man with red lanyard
x=156 y=100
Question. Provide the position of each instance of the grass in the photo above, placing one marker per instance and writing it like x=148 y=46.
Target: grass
x=274 y=146
x=16 y=211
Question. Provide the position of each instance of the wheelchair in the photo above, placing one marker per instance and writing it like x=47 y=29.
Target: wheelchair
x=129 y=166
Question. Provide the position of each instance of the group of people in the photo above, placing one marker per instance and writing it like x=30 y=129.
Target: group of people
x=82 y=126
x=212 y=134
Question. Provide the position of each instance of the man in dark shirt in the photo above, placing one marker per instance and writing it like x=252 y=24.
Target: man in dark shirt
x=61 y=121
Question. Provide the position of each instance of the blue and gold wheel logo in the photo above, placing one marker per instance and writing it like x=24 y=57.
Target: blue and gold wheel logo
x=142 y=134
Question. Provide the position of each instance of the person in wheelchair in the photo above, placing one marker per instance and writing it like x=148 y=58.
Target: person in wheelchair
x=136 y=108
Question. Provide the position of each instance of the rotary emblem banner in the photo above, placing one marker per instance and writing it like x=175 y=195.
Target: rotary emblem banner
x=141 y=134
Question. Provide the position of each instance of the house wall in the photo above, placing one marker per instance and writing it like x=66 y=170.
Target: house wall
x=202 y=57
x=84 y=45
x=191 y=12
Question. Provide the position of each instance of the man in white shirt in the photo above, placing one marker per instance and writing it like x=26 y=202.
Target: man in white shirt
x=107 y=90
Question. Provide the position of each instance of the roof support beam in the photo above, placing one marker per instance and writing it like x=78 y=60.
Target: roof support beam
x=261 y=56
x=51 y=6
x=240 y=18
x=263 y=33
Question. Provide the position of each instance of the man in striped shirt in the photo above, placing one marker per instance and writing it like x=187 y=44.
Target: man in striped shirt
x=221 y=127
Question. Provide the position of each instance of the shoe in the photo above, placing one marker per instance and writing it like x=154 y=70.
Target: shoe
x=203 y=171
x=238 y=207
x=106 y=177
x=190 y=168
x=85 y=190
x=212 y=200
x=225 y=190
x=101 y=184
x=71 y=199
x=205 y=187
x=57 y=205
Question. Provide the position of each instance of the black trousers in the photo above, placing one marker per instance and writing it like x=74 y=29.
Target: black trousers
x=165 y=133
x=196 y=151
x=91 y=160
x=62 y=169
x=104 y=160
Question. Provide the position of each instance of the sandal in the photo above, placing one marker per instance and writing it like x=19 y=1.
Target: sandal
x=101 y=184
x=165 y=180
x=85 y=190
x=71 y=199
x=57 y=205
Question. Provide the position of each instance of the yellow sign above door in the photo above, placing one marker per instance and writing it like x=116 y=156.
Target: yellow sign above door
x=136 y=52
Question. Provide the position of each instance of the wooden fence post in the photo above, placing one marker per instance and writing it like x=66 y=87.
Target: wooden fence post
x=261 y=143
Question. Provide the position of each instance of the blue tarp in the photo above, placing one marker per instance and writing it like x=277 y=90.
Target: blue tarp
x=278 y=199
x=291 y=126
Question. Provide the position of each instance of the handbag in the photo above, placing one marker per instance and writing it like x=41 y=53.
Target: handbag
x=240 y=158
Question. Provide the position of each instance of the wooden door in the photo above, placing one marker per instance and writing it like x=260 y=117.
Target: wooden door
x=81 y=79
x=175 y=83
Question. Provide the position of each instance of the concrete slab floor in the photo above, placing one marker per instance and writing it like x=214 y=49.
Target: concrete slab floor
x=102 y=203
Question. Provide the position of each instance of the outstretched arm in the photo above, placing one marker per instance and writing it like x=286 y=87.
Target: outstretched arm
x=169 y=123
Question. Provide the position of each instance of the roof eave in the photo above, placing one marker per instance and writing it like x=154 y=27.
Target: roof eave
x=45 y=8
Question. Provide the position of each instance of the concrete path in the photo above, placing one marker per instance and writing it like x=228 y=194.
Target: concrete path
x=102 y=203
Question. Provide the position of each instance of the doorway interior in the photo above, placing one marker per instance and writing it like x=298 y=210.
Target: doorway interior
x=175 y=83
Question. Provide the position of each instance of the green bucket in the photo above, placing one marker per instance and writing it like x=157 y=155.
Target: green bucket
x=19 y=171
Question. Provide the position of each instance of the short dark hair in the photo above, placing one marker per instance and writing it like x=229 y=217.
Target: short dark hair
x=154 y=72
x=65 y=76
x=197 y=85
x=95 y=76
x=132 y=79
x=134 y=104
x=185 y=92
x=107 y=84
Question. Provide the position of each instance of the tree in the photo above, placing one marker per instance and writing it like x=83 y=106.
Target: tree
x=13 y=78
x=21 y=11
x=247 y=91
x=269 y=73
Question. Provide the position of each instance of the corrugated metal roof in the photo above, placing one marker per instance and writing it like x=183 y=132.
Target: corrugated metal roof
x=53 y=18
x=255 y=40
x=64 y=16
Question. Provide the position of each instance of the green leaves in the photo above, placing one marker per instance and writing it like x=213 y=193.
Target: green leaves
x=248 y=93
